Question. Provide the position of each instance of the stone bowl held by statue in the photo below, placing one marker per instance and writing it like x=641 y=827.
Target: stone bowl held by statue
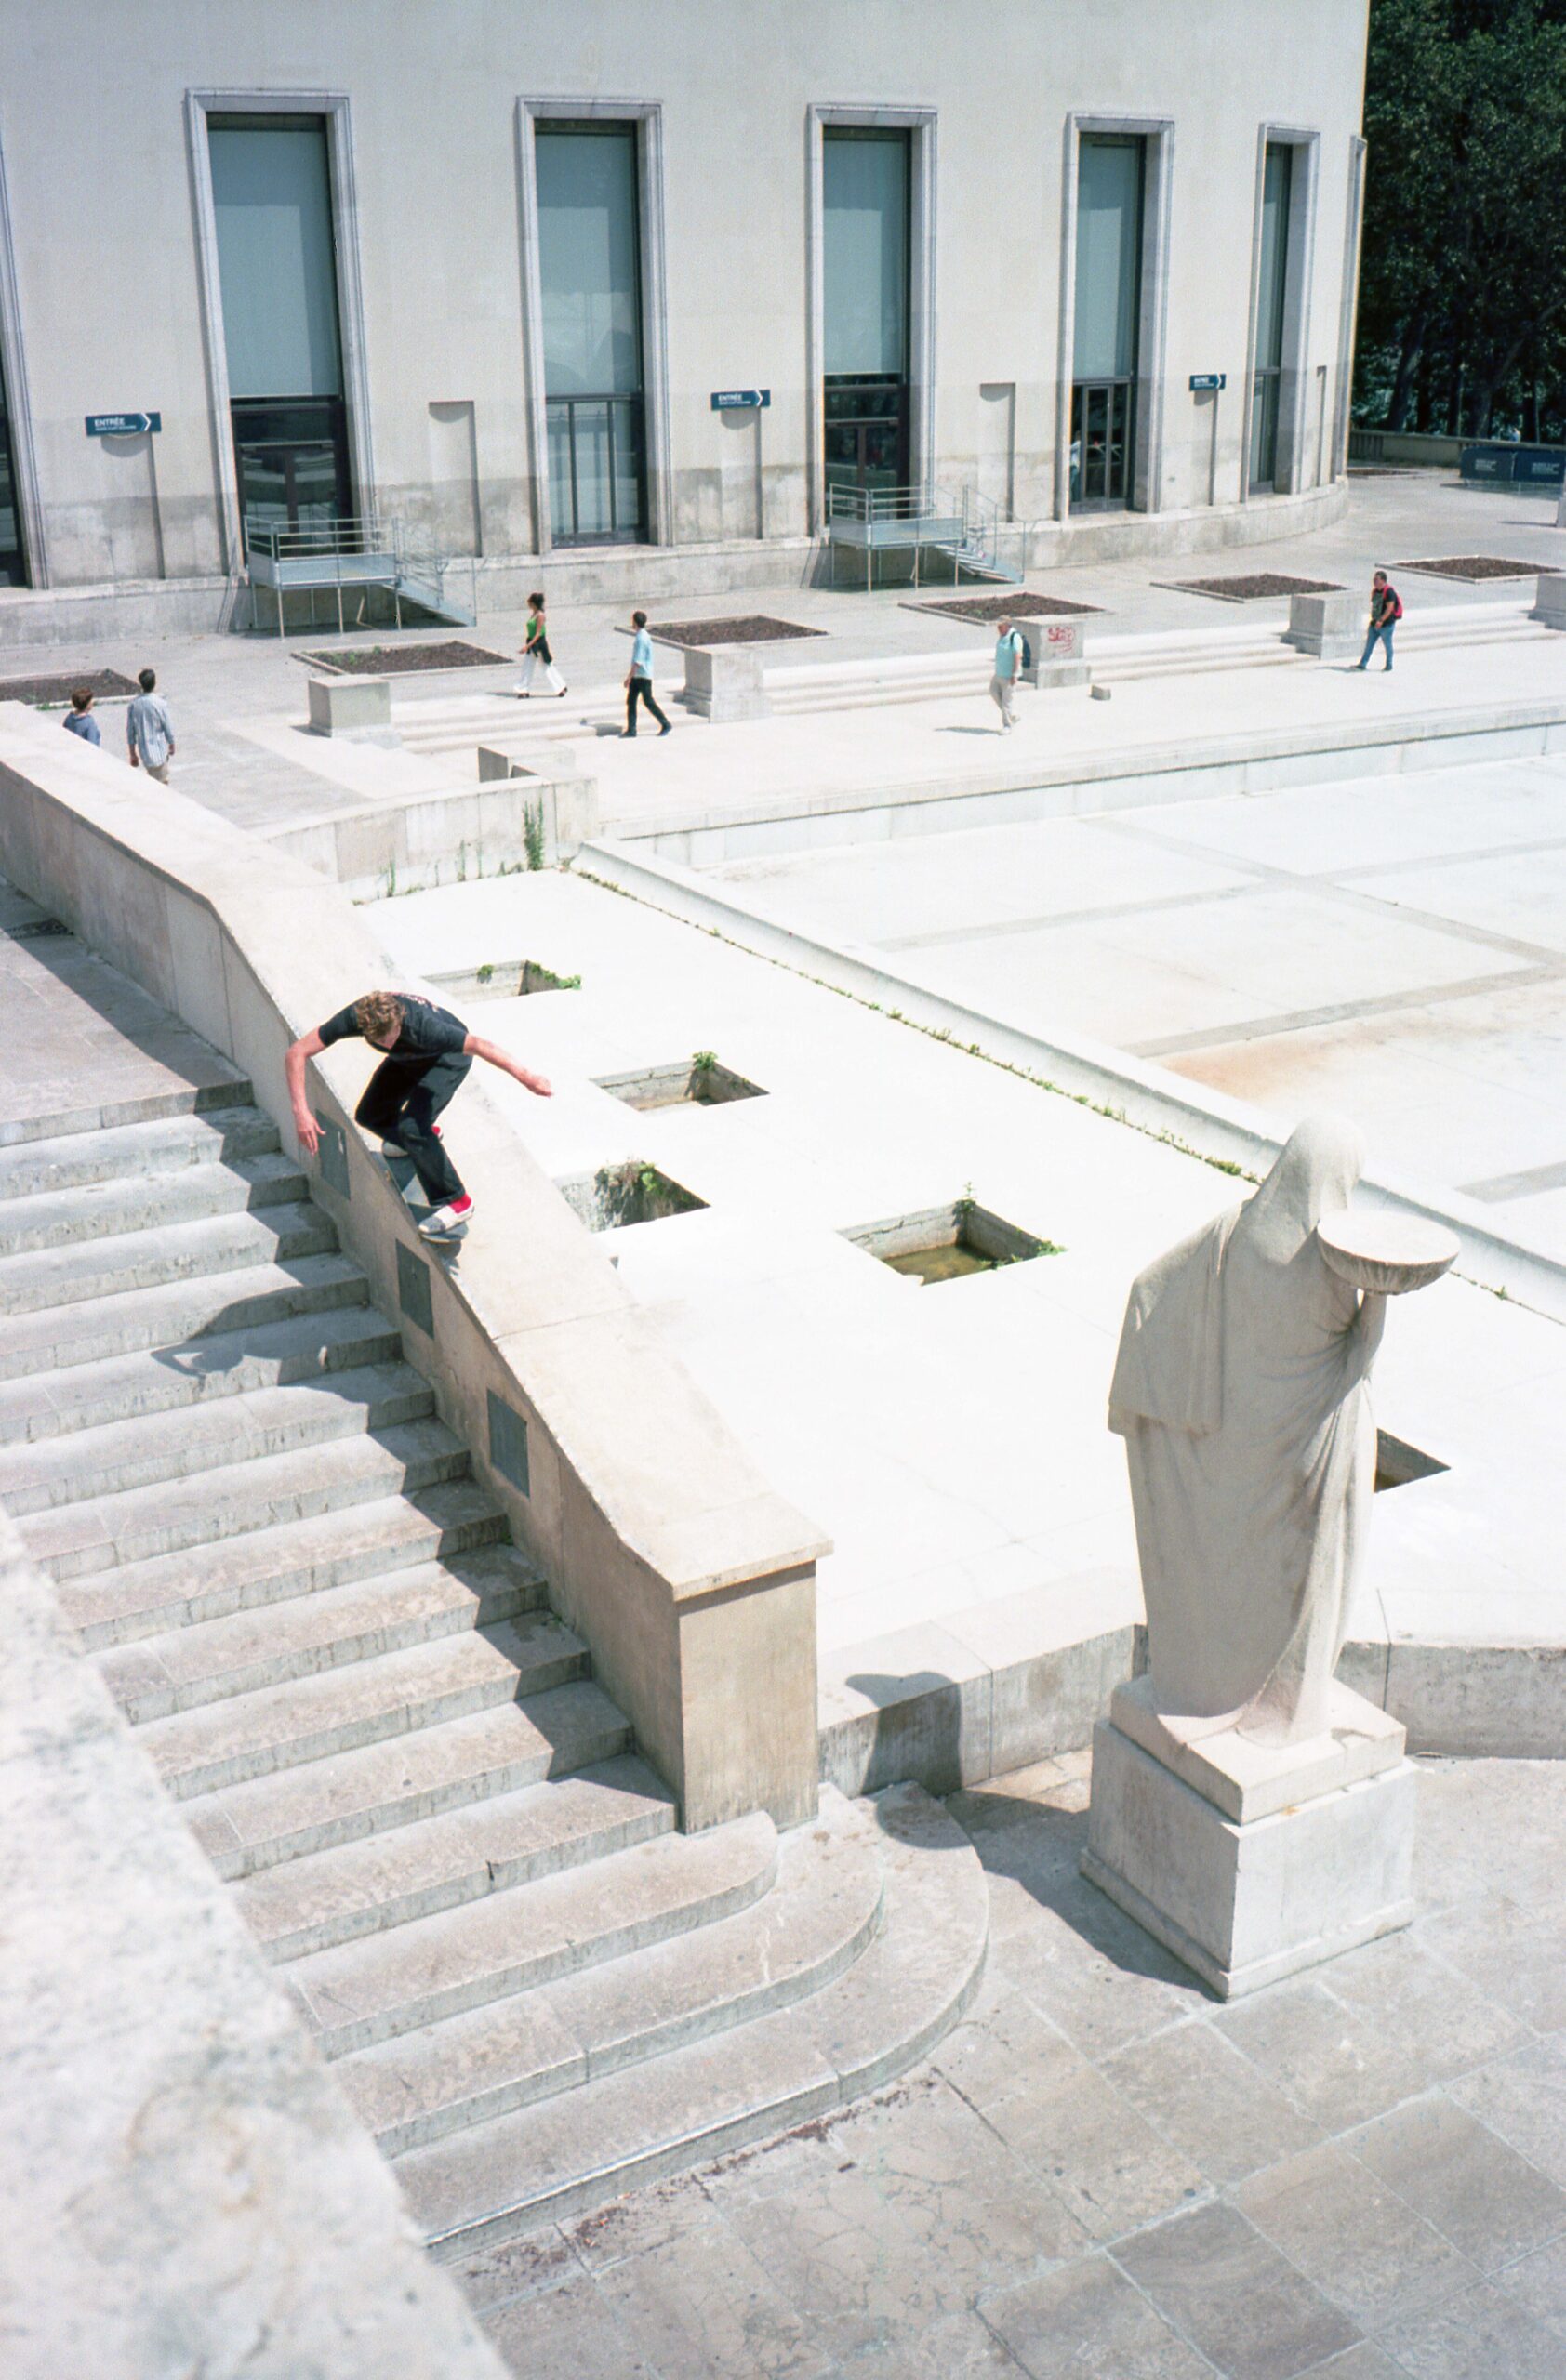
x=1386 y=1254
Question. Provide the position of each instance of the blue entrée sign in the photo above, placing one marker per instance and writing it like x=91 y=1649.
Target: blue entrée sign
x=122 y=425
x=1208 y=380
x=739 y=400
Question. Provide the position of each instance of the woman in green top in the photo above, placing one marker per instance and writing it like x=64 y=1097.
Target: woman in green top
x=536 y=654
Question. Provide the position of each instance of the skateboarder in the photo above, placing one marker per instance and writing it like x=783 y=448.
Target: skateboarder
x=429 y=1052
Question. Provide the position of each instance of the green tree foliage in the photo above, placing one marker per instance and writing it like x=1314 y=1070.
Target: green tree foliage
x=1463 y=282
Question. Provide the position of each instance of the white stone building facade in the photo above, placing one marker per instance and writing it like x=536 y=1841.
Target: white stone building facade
x=482 y=268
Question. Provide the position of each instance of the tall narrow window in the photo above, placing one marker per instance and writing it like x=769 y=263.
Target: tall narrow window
x=13 y=553
x=277 y=267
x=591 y=285
x=1108 y=305
x=865 y=301
x=1271 y=291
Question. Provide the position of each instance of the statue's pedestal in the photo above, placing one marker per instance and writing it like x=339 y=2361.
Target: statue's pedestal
x=1248 y=1862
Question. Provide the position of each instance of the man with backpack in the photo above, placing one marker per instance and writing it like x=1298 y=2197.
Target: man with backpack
x=1387 y=610
x=1010 y=647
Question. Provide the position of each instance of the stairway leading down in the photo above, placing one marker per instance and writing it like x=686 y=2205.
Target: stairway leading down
x=534 y=1989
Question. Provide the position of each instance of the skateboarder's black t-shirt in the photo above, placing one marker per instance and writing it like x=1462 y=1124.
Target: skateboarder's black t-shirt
x=429 y=1033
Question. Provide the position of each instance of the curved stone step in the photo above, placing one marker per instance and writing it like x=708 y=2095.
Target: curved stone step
x=271 y=1566
x=463 y=1958
x=215 y=1136
x=216 y=1659
x=354 y=1796
x=153 y=1450
x=821 y=1912
x=141 y=1259
x=195 y=1371
x=78 y=1539
x=309 y=1718
x=582 y=2147
x=334 y=1897
x=143 y=1202
x=129 y=1320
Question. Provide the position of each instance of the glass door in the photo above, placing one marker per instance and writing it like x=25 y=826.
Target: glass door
x=293 y=464
x=1271 y=291
x=590 y=291
x=865 y=178
x=1106 y=336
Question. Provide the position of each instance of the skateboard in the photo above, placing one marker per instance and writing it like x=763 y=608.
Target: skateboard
x=408 y=1185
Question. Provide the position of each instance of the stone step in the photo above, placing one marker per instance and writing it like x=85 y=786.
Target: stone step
x=99 y=1210
x=120 y=1456
x=190 y=1099
x=219 y=1659
x=218 y=1136
x=508 y=1942
x=76 y=1540
x=269 y=1566
x=141 y=1259
x=821 y=1914
x=132 y=1320
x=582 y=2147
x=334 y=1896
x=356 y=1796
x=195 y=1371
x=310 y=1718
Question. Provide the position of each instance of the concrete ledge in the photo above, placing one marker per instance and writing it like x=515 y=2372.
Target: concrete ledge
x=725 y=684
x=184 y=2186
x=359 y=707
x=373 y=849
x=690 y=1580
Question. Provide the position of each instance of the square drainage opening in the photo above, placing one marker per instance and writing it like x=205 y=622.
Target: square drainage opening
x=632 y=1193
x=700 y=1081
x=504 y=979
x=946 y=1243
x=1397 y=1463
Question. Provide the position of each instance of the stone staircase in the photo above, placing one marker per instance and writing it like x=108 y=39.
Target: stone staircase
x=534 y=1989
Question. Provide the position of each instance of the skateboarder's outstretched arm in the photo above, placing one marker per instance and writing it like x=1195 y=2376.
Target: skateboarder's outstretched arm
x=295 y=1060
x=493 y=1055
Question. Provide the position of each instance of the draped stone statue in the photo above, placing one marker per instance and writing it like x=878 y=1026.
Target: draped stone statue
x=1241 y=1393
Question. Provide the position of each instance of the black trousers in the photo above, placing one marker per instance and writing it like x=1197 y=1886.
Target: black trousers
x=401 y=1103
x=641 y=690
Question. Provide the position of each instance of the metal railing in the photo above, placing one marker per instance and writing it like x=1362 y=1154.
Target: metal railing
x=961 y=524
x=357 y=551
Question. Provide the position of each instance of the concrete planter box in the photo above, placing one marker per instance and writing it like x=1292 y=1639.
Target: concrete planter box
x=1059 y=648
x=1331 y=627
x=725 y=684
x=550 y=779
x=1550 y=604
x=352 y=707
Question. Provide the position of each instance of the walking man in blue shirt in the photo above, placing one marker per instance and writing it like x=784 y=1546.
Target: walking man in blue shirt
x=639 y=678
x=149 y=730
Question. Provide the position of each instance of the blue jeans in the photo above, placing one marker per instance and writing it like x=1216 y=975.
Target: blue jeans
x=1384 y=634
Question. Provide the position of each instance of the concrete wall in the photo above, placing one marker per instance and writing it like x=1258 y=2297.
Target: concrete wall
x=183 y=2187
x=691 y=1582
x=107 y=272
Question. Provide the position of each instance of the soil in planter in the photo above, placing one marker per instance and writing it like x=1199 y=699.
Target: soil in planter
x=1020 y=606
x=403 y=660
x=1255 y=587
x=753 y=627
x=45 y=693
x=1473 y=567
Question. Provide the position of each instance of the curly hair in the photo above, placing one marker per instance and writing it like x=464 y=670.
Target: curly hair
x=379 y=1014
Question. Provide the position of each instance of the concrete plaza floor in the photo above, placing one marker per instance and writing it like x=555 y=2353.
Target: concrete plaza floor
x=239 y=701
x=1359 y=2174
x=1395 y=947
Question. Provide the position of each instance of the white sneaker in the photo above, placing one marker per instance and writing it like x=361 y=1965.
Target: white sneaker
x=447 y=1221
